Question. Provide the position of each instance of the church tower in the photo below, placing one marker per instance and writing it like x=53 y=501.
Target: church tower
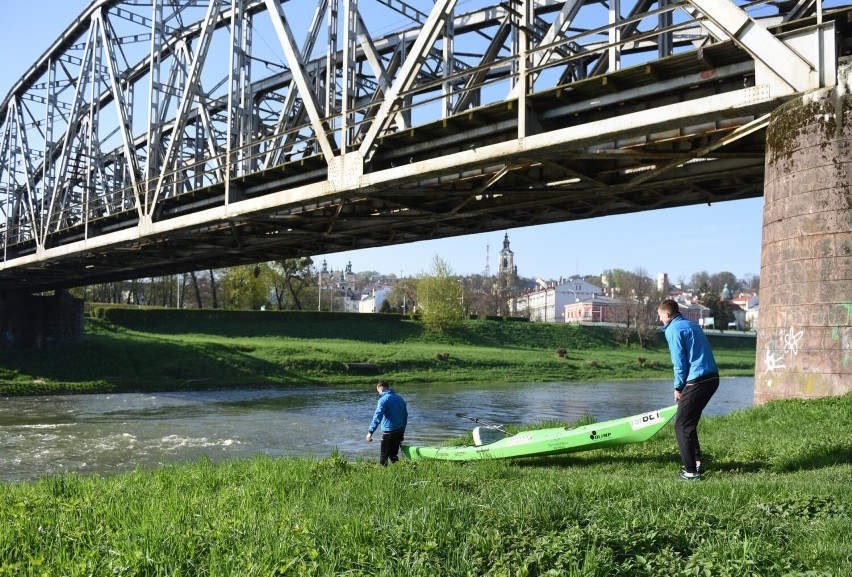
x=507 y=266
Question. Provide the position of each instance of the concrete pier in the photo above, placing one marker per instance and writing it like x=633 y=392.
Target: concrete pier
x=804 y=338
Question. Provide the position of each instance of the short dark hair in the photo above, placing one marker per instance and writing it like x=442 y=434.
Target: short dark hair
x=383 y=384
x=670 y=306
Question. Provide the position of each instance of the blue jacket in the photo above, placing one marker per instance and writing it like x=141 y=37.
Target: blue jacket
x=391 y=412
x=691 y=354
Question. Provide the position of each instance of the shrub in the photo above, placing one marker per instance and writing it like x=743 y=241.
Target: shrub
x=561 y=352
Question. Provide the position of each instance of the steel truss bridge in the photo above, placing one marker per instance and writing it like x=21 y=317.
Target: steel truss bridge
x=164 y=136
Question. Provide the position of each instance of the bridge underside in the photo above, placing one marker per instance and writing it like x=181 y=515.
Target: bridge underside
x=641 y=138
x=630 y=171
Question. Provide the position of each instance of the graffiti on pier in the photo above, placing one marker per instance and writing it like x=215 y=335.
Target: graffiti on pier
x=791 y=341
x=785 y=346
x=844 y=336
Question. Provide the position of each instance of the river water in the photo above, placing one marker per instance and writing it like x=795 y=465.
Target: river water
x=107 y=434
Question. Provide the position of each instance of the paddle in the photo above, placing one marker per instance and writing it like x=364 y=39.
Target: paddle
x=486 y=425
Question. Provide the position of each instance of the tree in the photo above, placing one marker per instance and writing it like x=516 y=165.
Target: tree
x=700 y=281
x=719 y=280
x=291 y=281
x=403 y=295
x=750 y=282
x=196 y=290
x=440 y=298
x=246 y=287
x=720 y=309
x=636 y=313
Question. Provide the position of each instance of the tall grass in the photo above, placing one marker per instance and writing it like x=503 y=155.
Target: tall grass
x=213 y=349
x=775 y=502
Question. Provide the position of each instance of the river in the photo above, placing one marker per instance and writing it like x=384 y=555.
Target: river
x=107 y=434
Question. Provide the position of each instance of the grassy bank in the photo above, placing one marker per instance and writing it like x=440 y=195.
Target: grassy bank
x=138 y=350
x=775 y=502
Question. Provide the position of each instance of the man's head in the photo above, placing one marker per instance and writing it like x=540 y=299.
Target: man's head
x=382 y=386
x=667 y=310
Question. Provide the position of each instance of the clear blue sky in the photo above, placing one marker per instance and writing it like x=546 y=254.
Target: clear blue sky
x=682 y=241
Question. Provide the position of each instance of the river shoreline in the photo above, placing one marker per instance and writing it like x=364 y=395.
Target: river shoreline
x=225 y=352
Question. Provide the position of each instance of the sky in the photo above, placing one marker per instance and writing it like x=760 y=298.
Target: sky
x=724 y=237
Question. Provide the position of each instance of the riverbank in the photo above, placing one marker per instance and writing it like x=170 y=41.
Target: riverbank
x=775 y=501
x=166 y=349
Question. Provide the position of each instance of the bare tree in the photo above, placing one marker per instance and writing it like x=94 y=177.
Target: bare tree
x=636 y=313
x=403 y=295
x=213 y=289
x=290 y=280
x=196 y=290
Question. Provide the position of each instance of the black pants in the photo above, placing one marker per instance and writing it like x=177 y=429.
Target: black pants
x=693 y=399
x=391 y=440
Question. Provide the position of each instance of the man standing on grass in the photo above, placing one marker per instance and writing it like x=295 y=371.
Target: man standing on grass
x=392 y=413
x=696 y=378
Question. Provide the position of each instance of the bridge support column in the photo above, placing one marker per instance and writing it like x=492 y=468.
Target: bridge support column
x=804 y=337
x=30 y=321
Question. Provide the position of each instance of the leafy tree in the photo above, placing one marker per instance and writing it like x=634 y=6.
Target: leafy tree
x=440 y=298
x=720 y=309
x=246 y=287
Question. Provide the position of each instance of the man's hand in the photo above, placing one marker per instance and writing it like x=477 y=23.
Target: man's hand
x=369 y=437
x=677 y=395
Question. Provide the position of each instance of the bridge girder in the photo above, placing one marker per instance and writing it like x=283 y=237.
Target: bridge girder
x=160 y=137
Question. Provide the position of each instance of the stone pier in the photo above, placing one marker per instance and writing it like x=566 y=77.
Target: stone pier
x=34 y=321
x=804 y=338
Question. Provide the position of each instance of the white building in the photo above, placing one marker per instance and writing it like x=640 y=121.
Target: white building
x=547 y=302
x=372 y=302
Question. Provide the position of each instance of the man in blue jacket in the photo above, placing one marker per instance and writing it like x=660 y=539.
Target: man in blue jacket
x=696 y=378
x=392 y=413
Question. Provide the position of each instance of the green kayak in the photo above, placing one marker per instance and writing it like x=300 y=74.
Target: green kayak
x=622 y=431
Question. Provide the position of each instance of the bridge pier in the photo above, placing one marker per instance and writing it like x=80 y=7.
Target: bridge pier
x=32 y=321
x=804 y=337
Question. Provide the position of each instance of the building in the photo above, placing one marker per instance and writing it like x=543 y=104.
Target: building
x=372 y=302
x=746 y=307
x=506 y=267
x=597 y=309
x=546 y=303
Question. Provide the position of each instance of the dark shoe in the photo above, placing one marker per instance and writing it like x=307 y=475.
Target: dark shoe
x=686 y=476
x=700 y=469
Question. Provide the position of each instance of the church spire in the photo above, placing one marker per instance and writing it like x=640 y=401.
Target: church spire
x=507 y=266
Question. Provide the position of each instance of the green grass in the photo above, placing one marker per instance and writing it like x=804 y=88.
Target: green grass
x=175 y=350
x=775 y=502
